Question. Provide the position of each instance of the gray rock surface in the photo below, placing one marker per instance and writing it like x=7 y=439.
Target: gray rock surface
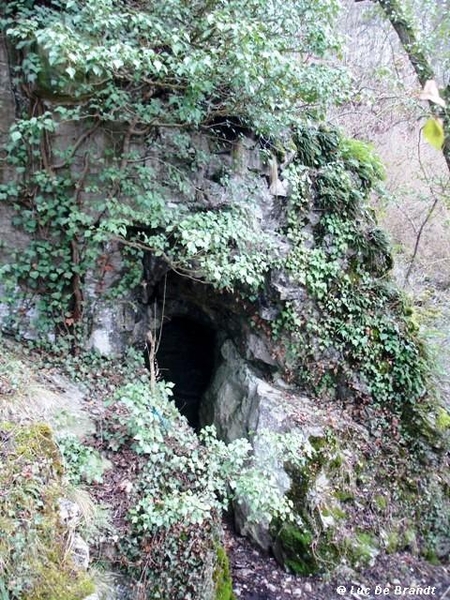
x=79 y=551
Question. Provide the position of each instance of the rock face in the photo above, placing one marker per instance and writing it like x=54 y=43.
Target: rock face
x=240 y=405
x=286 y=269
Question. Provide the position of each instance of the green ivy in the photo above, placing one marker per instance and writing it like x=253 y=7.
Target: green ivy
x=351 y=333
x=179 y=487
x=130 y=69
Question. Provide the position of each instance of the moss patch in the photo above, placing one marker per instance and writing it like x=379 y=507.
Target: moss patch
x=222 y=576
x=296 y=549
x=33 y=552
x=361 y=548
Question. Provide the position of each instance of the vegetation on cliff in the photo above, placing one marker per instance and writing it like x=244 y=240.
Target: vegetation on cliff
x=152 y=97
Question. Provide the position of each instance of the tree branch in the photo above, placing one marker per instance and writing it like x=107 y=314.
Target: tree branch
x=408 y=38
x=417 y=57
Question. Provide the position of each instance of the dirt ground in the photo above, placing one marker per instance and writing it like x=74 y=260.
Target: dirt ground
x=257 y=576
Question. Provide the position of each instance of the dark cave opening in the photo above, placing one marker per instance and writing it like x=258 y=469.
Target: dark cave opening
x=186 y=357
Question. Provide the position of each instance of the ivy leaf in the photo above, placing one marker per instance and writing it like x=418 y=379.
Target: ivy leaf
x=16 y=135
x=158 y=65
x=117 y=63
x=433 y=132
x=71 y=72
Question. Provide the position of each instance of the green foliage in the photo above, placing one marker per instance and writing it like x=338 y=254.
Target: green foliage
x=253 y=61
x=315 y=145
x=34 y=562
x=181 y=486
x=258 y=64
x=351 y=333
x=82 y=463
x=226 y=248
x=182 y=479
x=362 y=159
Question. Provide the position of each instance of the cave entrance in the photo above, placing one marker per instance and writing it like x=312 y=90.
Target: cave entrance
x=186 y=357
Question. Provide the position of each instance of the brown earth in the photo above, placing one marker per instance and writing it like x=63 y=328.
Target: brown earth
x=257 y=576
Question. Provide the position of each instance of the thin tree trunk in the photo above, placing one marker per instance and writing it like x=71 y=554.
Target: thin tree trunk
x=418 y=59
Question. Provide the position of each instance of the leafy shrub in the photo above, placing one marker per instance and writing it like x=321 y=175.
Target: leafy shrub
x=181 y=486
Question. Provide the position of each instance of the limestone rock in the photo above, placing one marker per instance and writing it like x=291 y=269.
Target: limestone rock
x=240 y=404
x=69 y=513
x=112 y=328
x=258 y=350
x=235 y=414
x=79 y=551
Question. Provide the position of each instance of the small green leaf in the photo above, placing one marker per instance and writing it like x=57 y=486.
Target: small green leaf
x=117 y=63
x=433 y=132
x=16 y=136
x=71 y=72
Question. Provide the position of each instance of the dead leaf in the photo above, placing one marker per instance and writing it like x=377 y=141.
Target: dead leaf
x=430 y=92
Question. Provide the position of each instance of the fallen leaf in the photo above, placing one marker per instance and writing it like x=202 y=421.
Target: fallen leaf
x=430 y=92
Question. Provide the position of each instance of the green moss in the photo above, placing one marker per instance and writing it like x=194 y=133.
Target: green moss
x=59 y=582
x=381 y=502
x=392 y=543
x=431 y=556
x=297 y=550
x=344 y=495
x=310 y=548
x=336 y=462
x=34 y=555
x=222 y=576
x=334 y=511
x=443 y=420
x=361 y=548
x=350 y=308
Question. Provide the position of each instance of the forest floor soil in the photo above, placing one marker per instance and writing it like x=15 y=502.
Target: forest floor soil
x=257 y=576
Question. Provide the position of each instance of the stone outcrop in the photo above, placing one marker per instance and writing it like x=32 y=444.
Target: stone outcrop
x=317 y=342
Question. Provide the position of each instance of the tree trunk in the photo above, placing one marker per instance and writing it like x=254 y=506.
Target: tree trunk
x=418 y=59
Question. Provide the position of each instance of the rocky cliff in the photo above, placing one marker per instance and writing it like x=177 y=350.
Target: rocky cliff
x=257 y=266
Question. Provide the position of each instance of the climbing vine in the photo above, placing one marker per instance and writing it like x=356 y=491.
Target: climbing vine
x=104 y=150
x=352 y=332
x=130 y=178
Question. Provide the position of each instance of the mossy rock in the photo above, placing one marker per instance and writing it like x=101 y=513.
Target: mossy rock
x=293 y=548
x=306 y=549
x=360 y=549
x=34 y=554
x=443 y=420
x=56 y=583
x=303 y=553
x=222 y=576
